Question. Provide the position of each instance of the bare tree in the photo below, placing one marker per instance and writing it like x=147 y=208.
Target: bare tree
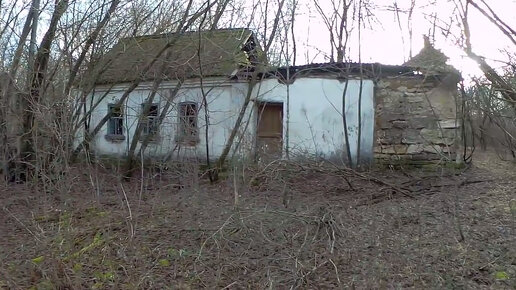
x=53 y=98
x=186 y=23
x=506 y=89
x=491 y=102
x=338 y=18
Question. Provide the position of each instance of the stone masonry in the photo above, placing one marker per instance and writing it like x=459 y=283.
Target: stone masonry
x=416 y=117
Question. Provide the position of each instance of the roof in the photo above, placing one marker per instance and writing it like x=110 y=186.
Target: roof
x=369 y=70
x=222 y=51
x=430 y=59
x=429 y=62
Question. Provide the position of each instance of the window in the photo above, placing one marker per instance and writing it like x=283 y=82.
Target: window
x=116 y=123
x=151 y=123
x=187 y=132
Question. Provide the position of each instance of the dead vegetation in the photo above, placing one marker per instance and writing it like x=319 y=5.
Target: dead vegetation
x=304 y=225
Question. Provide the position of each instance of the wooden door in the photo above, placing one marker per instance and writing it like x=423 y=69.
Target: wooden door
x=270 y=130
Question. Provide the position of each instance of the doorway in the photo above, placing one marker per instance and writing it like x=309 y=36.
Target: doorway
x=269 y=133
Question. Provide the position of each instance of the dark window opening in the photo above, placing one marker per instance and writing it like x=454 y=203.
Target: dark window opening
x=116 y=121
x=188 y=130
x=150 y=122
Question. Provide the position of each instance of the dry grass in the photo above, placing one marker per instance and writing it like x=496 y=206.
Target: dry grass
x=296 y=226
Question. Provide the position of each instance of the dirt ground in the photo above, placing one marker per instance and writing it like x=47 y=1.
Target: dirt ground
x=305 y=226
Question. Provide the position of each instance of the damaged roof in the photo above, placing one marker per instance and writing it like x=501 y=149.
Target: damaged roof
x=428 y=62
x=342 y=70
x=191 y=54
x=430 y=59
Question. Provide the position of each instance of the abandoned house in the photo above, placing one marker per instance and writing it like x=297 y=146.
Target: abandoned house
x=191 y=96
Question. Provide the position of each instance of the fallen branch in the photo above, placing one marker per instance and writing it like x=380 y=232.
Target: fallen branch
x=460 y=184
x=364 y=176
x=21 y=223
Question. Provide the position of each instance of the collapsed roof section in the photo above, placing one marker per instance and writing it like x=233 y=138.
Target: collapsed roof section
x=354 y=70
x=430 y=60
x=428 y=63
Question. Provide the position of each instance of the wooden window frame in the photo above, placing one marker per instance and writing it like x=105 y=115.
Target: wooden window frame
x=188 y=128
x=115 y=125
x=149 y=122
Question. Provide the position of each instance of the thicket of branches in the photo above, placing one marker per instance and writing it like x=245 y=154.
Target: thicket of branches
x=490 y=103
x=48 y=50
x=491 y=118
x=288 y=223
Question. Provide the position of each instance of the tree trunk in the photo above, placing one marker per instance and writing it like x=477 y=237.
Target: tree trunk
x=182 y=27
x=29 y=103
x=138 y=131
x=10 y=129
x=91 y=40
x=163 y=114
x=222 y=158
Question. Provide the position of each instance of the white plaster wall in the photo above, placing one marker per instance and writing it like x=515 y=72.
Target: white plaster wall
x=224 y=102
x=315 y=115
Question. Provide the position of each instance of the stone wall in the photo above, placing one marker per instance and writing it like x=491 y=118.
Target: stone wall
x=416 y=118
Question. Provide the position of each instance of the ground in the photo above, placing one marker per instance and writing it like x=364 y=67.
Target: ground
x=296 y=225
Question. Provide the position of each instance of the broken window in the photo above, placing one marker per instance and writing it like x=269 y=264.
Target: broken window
x=188 y=131
x=150 y=121
x=116 y=121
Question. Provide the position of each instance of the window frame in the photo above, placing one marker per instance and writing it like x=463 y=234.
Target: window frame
x=184 y=134
x=115 y=124
x=148 y=124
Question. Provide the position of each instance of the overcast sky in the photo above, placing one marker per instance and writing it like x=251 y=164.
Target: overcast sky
x=384 y=43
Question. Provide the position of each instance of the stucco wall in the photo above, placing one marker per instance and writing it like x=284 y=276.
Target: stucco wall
x=315 y=115
x=416 y=118
x=411 y=117
x=224 y=101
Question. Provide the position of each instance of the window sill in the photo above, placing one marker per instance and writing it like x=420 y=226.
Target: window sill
x=114 y=138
